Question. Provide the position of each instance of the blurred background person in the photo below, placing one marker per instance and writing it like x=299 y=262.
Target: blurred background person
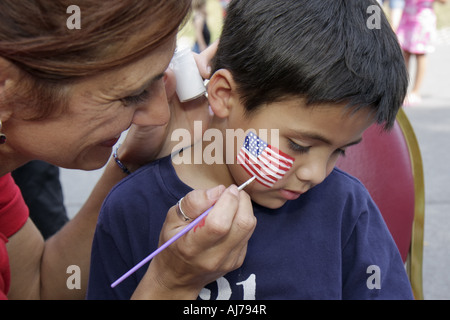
x=41 y=188
x=224 y=4
x=415 y=33
x=201 y=29
x=395 y=11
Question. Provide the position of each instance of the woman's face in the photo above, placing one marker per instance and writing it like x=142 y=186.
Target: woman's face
x=99 y=110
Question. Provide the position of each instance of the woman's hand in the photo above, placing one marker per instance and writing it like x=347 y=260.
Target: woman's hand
x=215 y=247
x=144 y=144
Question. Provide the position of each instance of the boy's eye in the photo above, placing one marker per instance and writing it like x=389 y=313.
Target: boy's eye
x=297 y=148
x=136 y=99
x=341 y=152
x=301 y=149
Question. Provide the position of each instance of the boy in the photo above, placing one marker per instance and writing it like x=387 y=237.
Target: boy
x=315 y=72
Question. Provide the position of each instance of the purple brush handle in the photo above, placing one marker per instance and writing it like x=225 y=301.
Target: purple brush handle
x=164 y=246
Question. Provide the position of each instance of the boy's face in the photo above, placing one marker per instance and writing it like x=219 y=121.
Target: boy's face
x=315 y=136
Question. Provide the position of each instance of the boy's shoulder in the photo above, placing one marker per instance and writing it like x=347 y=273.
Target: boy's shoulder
x=341 y=195
x=157 y=177
x=343 y=182
x=145 y=175
x=143 y=195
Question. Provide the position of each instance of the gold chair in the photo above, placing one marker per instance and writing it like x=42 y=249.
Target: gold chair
x=390 y=166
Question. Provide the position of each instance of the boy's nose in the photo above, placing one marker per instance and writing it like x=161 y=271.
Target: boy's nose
x=313 y=172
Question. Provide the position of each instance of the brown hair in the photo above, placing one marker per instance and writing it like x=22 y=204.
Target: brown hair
x=34 y=37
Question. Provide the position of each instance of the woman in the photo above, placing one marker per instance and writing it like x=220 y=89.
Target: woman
x=65 y=97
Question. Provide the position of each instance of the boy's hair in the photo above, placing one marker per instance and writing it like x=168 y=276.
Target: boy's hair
x=321 y=50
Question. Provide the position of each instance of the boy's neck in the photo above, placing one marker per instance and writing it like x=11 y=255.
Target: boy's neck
x=202 y=175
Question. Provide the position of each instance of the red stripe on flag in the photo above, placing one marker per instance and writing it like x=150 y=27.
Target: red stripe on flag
x=253 y=170
x=262 y=170
x=278 y=154
x=270 y=166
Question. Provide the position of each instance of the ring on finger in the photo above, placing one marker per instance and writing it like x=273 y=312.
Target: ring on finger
x=180 y=211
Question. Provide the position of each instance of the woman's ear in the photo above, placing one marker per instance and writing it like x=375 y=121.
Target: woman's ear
x=8 y=77
x=222 y=93
x=5 y=67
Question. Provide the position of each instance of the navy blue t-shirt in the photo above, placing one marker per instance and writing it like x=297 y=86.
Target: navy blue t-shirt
x=331 y=243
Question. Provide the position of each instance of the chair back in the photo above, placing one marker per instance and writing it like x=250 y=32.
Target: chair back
x=389 y=164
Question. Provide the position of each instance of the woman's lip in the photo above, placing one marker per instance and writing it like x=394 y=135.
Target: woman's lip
x=289 y=195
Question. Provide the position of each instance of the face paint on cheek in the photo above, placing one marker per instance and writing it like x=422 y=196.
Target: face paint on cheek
x=263 y=161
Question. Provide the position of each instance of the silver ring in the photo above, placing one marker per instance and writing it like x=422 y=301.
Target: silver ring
x=180 y=211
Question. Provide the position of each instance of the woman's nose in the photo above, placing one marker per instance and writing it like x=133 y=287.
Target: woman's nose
x=156 y=112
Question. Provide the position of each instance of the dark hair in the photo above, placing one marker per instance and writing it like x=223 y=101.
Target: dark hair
x=322 y=50
x=34 y=37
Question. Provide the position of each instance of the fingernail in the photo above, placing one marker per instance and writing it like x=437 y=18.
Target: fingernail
x=233 y=189
x=215 y=192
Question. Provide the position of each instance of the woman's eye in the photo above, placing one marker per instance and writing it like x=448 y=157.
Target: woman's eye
x=143 y=96
x=298 y=148
x=136 y=99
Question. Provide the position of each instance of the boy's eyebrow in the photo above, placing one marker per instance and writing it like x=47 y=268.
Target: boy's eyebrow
x=316 y=136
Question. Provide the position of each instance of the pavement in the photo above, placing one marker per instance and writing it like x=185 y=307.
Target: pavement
x=431 y=122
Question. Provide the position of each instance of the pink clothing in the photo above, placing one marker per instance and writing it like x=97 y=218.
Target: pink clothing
x=417 y=26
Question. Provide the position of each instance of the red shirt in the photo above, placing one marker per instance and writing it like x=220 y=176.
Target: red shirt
x=13 y=215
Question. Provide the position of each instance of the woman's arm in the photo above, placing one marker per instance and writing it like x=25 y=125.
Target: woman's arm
x=38 y=268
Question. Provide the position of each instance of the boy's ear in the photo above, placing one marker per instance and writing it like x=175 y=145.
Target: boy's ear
x=222 y=93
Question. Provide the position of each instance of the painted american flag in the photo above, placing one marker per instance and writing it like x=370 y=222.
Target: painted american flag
x=262 y=160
